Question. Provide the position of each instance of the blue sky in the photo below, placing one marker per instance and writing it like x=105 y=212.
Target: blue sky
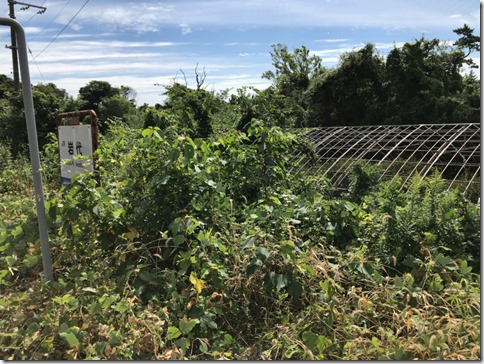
x=143 y=43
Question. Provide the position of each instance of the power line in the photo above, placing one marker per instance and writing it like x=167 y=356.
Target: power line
x=56 y=16
x=62 y=30
x=13 y=46
x=36 y=65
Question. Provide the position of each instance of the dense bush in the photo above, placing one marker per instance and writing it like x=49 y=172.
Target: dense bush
x=210 y=249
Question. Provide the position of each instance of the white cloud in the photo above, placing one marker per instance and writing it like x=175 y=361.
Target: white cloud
x=185 y=29
x=341 y=40
x=147 y=42
x=151 y=16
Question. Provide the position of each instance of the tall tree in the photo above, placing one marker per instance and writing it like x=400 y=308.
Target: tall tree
x=294 y=73
x=423 y=81
x=468 y=41
x=94 y=93
x=352 y=93
x=49 y=100
x=191 y=109
x=107 y=101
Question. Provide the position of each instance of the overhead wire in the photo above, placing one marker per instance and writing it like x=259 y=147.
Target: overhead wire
x=36 y=65
x=56 y=16
x=23 y=23
x=62 y=30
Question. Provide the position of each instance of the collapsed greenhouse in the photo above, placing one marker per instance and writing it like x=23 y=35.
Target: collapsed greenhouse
x=452 y=150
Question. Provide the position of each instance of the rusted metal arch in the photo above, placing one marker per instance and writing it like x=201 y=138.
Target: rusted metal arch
x=432 y=154
x=346 y=150
x=459 y=153
x=452 y=148
x=317 y=141
x=443 y=148
x=415 y=153
x=362 y=154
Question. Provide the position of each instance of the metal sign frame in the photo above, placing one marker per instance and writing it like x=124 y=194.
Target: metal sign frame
x=73 y=119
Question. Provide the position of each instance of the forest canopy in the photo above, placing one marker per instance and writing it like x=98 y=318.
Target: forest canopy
x=423 y=81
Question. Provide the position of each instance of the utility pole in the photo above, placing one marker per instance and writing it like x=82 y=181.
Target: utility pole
x=13 y=46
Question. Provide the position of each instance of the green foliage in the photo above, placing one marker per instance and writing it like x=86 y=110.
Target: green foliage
x=352 y=93
x=15 y=172
x=192 y=240
x=420 y=82
x=426 y=219
x=202 y=249
x=192 y=109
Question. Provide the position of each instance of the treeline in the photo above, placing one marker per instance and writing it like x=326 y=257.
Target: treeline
x=420 y=82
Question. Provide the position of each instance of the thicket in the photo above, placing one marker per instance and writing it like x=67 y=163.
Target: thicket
x=193 y=240
x=421 y=82
x=208 y=248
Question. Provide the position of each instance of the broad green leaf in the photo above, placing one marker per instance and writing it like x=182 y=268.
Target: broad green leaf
x=187 y=325
x=178 y=239
x=281 y=281
x=248 y=242
x=119 y=212
x=203 y=346
x=17 y=231
x=70 y=338
x=163 y=180
x=174 y=154
x=106 y=301
x=253 y=266
x=464 y=269
x=323 y=343
x=443 y=261
x=148 y=277
x=262 y=253
x=294 y=289
x=33 y=327
x=31 y=261
x=158 y=134
x=122 y=306
x=116 y=338
x=328 y=289
x=273 y=280
x=173 y=333
x=63 y=327
x=183 y=343
x=211 y=183
x=147 y=132
x=307 y=268
x=97 y=210
x=94 y=308
x=310 y=339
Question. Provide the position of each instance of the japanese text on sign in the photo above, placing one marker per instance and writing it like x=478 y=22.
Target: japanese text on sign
x=75 y=148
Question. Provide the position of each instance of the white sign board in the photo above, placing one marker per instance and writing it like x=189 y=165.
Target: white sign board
x=75 y=148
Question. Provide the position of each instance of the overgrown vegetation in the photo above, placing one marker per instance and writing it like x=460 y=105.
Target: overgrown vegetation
x=192 y=240
x=421 y=82
x=208 y=248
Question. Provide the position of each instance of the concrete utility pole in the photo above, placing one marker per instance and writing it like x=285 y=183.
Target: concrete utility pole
x=33 y=144
x=13 y=46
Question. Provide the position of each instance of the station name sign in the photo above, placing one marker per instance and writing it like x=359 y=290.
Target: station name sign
x=75 y=149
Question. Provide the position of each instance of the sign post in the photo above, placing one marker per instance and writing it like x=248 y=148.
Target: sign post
x=33 y=144
x=77 y=144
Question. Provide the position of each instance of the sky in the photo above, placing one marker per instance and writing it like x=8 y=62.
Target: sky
x=150 y=44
